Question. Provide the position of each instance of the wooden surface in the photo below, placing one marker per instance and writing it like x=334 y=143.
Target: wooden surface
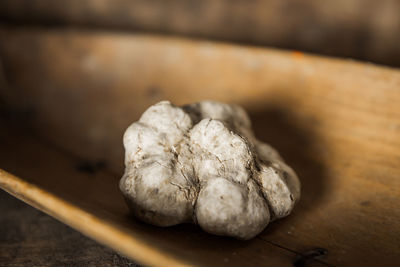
x=362 y=29
x=29 y=237
x=336 y=122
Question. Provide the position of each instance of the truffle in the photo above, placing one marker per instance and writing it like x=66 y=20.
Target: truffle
x=201 y=163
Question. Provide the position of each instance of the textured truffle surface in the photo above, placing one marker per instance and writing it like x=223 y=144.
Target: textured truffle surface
x=201 y=163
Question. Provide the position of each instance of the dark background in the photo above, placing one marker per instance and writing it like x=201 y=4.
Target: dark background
x=361 y=29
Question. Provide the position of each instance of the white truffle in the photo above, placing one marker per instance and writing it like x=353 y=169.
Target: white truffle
x=201 y=163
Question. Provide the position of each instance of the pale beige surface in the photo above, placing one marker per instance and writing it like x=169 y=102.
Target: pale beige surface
x=336 y=122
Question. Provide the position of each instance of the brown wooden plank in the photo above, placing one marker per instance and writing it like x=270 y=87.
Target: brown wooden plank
x=336 y=122
x=92 y=204
x=29 y=237
x=362 y=29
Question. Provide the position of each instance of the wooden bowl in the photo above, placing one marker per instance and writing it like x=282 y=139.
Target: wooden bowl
x=71 y=94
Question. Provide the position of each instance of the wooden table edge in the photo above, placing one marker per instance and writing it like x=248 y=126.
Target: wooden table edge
x=93 y=227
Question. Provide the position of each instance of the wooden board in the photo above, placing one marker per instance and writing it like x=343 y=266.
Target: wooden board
x=336 y=122
x=362 y=29
x=28 y=237
x=92 y=204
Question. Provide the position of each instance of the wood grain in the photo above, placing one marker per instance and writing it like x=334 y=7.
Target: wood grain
x=336 y=122
x=92 y=204
x=362 y=29
x=29 y=237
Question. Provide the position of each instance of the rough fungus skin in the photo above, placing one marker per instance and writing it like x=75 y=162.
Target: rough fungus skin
x=201 y=163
